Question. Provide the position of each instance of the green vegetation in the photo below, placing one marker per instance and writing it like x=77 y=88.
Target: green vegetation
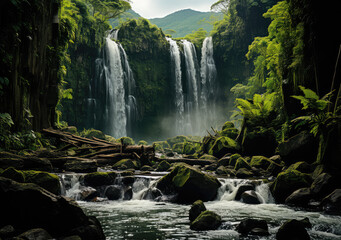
x=186 y=21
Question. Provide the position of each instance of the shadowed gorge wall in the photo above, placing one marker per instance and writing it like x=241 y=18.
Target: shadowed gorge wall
x=29 y=50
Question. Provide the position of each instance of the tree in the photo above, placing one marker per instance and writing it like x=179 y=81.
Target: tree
x=221 y=6
x=107 y=9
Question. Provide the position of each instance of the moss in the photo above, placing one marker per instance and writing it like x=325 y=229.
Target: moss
x=234 y=158
x=301 y=166
x=99 y=178
x=178 y=147
x=161 y=146
x=163 y=166
x=241 y=163
x=196 y=209
x=227 y=125
x=177 y=139
x=229 y=132
x=260 y=162
x=207 y=220
x=222 y=146
x=126 y=164
x=142 y=142
x=70 y=129
x=208 y=157
x=13 y=174
x=126 y=141
x=90 y=133
x=45 y=180
x=190 y=148
x=287 y=182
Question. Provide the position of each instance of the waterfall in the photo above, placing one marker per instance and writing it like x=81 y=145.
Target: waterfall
x=193 y=85
x=112 y=91
x=208 y=73
x=177 y=76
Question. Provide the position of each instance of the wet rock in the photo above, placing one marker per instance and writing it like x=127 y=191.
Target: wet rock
x=287 y=182
x=222 y=146
x=125 y=164
x=113 y=192
x=88 y=194
x=163 y=166
x=250 y=197
x=7 y=231
x=56 y=214
x=36 y=163
x=244 y=173
x=152 y=194
x=128 y=180
x=253 y=227
x=221 y=170
x=81 y=166
x=294 y=229
x=35 y=234
x=332 y=203
x=301 y=147
x=196 y=209
x=300 y=197
x=323 y=185
x=207 y=220
x=13 y=174
x=243 y=188
x=45 y=180
x=128 y=194
x=189 y=184
x=97 y=179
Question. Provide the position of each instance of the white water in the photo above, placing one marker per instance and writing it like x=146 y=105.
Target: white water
x=113 y=91
x=145 y=219
x=179 y=95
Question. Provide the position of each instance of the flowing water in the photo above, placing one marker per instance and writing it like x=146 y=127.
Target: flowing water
x=112 y=105
x=143 y=218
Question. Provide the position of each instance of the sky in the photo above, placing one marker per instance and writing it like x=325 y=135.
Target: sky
x=160 y=8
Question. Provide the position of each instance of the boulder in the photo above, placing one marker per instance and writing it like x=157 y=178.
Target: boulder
x=128 y=194
x=208 y=157
x=16 y=163
x=241 y=163
x=301 y=166
x=253 y=227
x=260 y=141
x=244 y=173
x=81 y=166
x=274 y=168
x=324 y=185
x=163 y=166
x=301 y=147
x=250 y=197
x=38 y=208
x=147 y=168
x=97 y=179
x=178 y=139
x=294 y=229
x=125 y=164
x=161 y=146
x=36 y=163
x=113 y=192
x=151 y=194
x=233 y=159
x=243 y=188
x=287 y=182
x=207 y=220
x=221 y=170
x=260 y=162
x=189 y=148
x=7 y=231
x=196 y=209
x=13 y=174
x=222 y=146
x=332 y=203
x=300 y=197
x=189 y=184
x=225 y=161
x=35 y=234
x=48 y=181
x=87 y=194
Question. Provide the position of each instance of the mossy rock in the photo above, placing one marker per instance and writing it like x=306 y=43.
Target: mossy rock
x=178 y=147
x=260 y=162
x=207 y=144
x=45 y=180
x=161 y=146
x=125 y=164
x=241 y=163
x=190 y=148
x=126 y=141
x=163 y=166
x=208 y=157
x=260 y=141
x=90 y=133
x=230 y=132
x=13 y=174
x=207 y=220
x=142 y=142
x=222 y=146
x=189 y=184
x=70 y=129
x=110 y=139
x=302 y=167
x=244 y=173
x=178 y=139
x=196 y=209
x=287 y=182
x=97 y=179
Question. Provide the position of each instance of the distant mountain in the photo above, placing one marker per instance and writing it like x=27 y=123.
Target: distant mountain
x=130 y=14
x=186 y=21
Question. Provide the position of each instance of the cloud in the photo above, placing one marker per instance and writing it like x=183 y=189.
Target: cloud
x=161 y=8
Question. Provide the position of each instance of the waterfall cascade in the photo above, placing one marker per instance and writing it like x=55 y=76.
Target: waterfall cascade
x=112 y=105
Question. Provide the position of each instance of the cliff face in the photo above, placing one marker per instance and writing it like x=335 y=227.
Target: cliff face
x=29 y=61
